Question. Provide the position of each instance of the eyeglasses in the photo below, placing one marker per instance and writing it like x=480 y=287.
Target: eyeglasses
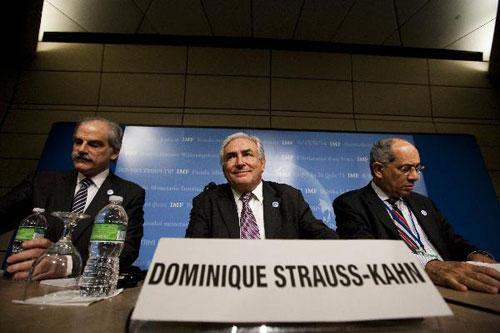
x=407 y=168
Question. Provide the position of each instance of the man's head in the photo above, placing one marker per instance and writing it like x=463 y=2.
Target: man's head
x=243 y=161
x=96 y=142
x=395 y=166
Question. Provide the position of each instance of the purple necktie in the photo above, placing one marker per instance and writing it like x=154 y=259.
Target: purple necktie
x=248 y=224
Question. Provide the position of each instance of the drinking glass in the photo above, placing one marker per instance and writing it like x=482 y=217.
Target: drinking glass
x=60 y=260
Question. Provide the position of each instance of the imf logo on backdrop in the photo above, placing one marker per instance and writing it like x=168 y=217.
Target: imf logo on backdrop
x=313 y=190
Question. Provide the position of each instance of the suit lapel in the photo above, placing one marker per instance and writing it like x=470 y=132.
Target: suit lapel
x=379 y=210
x=229 y=211
x=62 y=200
x=272 y=214
x=68 y=185
x=425 y=220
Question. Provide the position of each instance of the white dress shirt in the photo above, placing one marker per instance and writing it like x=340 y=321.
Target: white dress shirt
x=431 y=252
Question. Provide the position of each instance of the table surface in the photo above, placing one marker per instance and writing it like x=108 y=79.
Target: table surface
x=111 y=315
x=108 y=315
x=472 y=299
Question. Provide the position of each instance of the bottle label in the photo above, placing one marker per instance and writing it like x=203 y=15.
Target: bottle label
x=25 y=233
x=108 y=232
x=39 y=233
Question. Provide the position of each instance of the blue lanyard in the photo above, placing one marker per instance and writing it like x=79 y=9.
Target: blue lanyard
x=395 y=217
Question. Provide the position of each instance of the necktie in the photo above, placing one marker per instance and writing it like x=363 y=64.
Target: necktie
x=248 y=224
x=81 y=196
x=392 y=202
x=402 y=225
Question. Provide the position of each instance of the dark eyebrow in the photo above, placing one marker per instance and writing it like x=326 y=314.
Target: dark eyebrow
x=230 y=154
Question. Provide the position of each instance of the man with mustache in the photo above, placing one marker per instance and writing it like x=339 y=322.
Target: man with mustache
x=96 y=142
x=387 y=208
x=248 y=207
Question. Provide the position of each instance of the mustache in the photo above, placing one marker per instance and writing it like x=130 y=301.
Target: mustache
x=80 y=157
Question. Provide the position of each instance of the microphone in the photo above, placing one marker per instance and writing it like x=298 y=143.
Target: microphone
x=210 y=186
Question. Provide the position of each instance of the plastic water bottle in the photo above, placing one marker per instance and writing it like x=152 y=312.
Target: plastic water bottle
x=100 y=274
x=32 y=227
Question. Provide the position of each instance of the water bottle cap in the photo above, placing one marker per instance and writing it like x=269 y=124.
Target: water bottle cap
x=38 y=210
x=116 y=198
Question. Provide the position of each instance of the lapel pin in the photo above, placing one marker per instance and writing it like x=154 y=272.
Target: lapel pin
x=276 y=204
x=110 y=192
x=423 y=212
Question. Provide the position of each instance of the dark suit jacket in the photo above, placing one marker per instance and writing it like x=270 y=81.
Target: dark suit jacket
x=54 y=191
x=361 y=214
x=214 y=214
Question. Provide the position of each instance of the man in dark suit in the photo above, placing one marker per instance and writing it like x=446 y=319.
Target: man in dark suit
x=387 y=208
x=96 y=142
x=248 y=207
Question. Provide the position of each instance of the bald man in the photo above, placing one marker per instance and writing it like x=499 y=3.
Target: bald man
x=387 y=208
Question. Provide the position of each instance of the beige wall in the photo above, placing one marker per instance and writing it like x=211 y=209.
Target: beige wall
x=193 y=86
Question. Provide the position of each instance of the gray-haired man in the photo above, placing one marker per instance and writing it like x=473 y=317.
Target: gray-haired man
x=247 y=207
x=96 y=142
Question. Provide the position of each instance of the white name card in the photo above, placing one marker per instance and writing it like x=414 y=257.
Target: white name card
x=285 y=281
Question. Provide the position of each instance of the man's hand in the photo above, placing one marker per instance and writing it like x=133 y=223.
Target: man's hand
x=482 y=258
x=462 y=276
x=47 y=268
x=19 y=264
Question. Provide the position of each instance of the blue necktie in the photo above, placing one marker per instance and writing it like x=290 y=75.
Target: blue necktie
x=80 y=198
x=402 y=225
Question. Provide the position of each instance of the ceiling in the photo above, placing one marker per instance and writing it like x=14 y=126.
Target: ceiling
x=465 y=25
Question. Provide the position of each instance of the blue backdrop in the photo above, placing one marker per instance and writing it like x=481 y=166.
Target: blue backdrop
x=173 y=164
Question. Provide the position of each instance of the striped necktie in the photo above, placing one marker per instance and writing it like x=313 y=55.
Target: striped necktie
x=80 y=198
x=248 y=223
x=402 y=225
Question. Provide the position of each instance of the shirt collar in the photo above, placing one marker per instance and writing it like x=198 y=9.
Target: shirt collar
x=97 y=180
x=380 y=193
x=257 y=193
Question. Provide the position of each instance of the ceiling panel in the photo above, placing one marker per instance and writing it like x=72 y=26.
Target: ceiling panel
x=392 y=40
x=143 y=4
x=55 y=20
x=442 y=22
x=229 y=17
x=320 y=19
x=479 y=39
x=452 y=24
x=101 y=15
x=407 y=8
x=275 y=18
x=147 y=27
x=178 y=17
x=368 y=22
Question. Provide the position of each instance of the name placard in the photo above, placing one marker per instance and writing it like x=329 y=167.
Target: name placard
x=235 y=281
